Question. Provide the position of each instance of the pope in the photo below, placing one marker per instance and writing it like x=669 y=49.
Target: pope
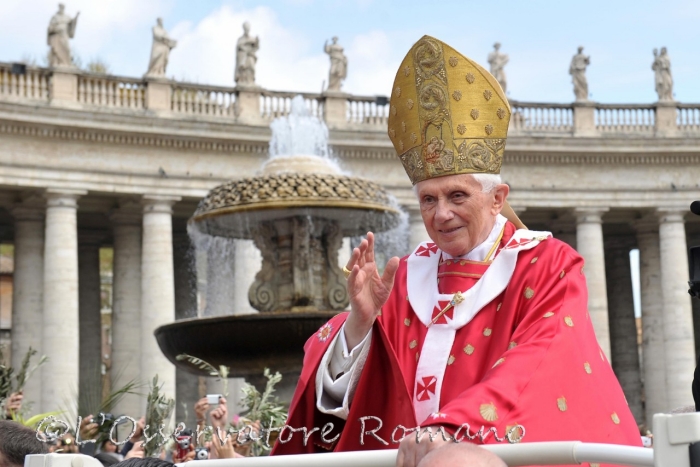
x=482 y=333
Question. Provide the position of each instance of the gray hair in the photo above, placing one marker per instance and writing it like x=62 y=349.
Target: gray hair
x=488 y=182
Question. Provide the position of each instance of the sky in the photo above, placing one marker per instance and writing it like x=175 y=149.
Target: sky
x=540 y=37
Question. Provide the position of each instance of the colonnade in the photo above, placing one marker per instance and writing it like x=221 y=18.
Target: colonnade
x=56 y=297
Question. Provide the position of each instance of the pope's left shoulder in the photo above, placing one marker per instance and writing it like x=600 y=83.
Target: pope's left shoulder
x=551 y=251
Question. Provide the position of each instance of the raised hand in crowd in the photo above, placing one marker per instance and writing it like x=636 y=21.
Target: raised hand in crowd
x=13 y=405
x=88 y=428
x=200 y=410
x=219 y=415
x=223 y=450
x=136 y=451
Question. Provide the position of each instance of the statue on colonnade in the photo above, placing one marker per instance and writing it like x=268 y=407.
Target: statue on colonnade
x=339 y=65
x=498 y=61
x=61 y=29
x=577 y=70
x=246 y=48
x=160 y=52
x=662 y=75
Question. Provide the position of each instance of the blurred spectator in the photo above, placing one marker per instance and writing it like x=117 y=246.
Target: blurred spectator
x=67 y=445
x=147 y=462
x=107 y=458
x=16 y=441
x=13 y=405
x=462 y=454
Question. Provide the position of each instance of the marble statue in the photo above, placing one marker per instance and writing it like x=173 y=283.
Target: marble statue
x=162 y=45
x=246 y=48
x=662 y=75
x=498 y=61
x=577 y=70
x=61 y=29
x=339 y=65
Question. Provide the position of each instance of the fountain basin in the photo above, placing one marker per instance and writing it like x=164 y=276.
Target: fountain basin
x=247 y=344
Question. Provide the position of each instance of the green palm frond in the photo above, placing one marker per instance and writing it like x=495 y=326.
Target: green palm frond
x=158 y=411
x=32 y=421
x=221 y=373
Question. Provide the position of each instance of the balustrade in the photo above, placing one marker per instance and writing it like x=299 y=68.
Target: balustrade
x=275 y=104
x=545 y=118
x=39 y=84
x=196 y=99
x=33 y=84
x=111 y=91
x=627 y=118
x=689 y=117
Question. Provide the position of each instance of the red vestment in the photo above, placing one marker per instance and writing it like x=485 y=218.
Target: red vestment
x=529 y=358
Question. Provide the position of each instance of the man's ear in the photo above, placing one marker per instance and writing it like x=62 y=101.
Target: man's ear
x=500 y=193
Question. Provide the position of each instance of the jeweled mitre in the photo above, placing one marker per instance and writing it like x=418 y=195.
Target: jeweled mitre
x=448 y=115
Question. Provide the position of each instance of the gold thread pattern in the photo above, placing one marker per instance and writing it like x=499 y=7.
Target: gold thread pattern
x=457 y=95
x=403 y=126
x=488 y=129
x=498 y=307
x=488 y=95
x=401 y=145
x=407 y=322
x=413 y=344
x=569 y=322
x=561 y=404
x=487 y=332
x=393 y=110
x=488 y=412
x=392 y=133
x=470 y=78
x=414 y=138
x=549 y=314
x=501 y=113
x=453 y=61
x=529 y=293
x=587 y=367
x=451 y=360
x=409 y=104
x=615 y=418
x=513 y=344
x=407 y=70
x=533 y=260
x=469 y=349
x=474 y=114
x=417 y=355
x=562 y=274
x=397 y=91
x=461 y=128
x=498 y=362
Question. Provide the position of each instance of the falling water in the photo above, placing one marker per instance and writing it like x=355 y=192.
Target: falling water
x=299 y=133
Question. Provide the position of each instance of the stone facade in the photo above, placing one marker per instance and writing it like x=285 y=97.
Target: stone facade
x=129 y=159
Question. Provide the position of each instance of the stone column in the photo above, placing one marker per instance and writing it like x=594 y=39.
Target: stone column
x=186 y=384
x=27 y=294
x=418 y=232
x=90 y=376
x=589 y=240
x=678 y=317
x=623 y=327
x=157 y=287
x=564 y=229
x=247 y=263
x=59 y=378
x=653 y=350
x=126 y=304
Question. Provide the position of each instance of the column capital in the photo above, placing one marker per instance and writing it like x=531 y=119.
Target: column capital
x=67 y=197
x=159 y=203
x=590 y=214
x=24 y=212
x=671 y=214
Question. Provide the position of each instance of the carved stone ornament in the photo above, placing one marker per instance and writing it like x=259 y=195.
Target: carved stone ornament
x=290 y=190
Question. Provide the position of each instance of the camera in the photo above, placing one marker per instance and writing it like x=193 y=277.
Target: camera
x=213 y=399
x=201 y=454
x=184 y=441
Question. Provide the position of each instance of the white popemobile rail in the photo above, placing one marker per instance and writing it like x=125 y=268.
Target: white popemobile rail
x=673 y=435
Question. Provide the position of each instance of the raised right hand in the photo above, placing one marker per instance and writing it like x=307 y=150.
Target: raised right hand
x=368 y=290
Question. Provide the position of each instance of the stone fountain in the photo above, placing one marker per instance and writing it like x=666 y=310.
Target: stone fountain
x=297 y=212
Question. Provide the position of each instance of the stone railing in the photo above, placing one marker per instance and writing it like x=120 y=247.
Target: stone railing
x=257 y=106
x=529 y=117
x=24 y=82
x=111 y=91
x=626 y=118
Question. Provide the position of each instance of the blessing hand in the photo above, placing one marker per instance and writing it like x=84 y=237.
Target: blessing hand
x=368 y=290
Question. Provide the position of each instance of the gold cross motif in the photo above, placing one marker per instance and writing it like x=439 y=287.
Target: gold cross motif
x=456 y=300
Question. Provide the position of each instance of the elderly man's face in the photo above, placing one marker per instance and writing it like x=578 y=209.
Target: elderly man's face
x=456 y=214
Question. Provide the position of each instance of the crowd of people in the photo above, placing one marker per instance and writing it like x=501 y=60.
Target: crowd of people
x=212 y=440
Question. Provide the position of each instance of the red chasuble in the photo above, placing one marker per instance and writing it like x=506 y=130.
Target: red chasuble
x=528 y=357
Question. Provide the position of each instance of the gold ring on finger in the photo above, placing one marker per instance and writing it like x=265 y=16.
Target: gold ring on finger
x=346 y=271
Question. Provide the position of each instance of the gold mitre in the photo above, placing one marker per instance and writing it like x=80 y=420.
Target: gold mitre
x=448 y=115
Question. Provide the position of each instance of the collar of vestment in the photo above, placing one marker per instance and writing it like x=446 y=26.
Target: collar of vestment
x=429 y=304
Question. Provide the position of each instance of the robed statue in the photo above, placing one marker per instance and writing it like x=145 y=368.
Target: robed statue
x=160 y=52
x=339 y=65
x=61 y=29
x=498 y=61
x=246 y=48
x=577 y=70
x=662 y=75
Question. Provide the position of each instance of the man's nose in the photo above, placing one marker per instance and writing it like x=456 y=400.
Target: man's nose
x=444 y=211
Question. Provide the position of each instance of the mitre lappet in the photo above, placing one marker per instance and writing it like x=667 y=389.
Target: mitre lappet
x=447 y=115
